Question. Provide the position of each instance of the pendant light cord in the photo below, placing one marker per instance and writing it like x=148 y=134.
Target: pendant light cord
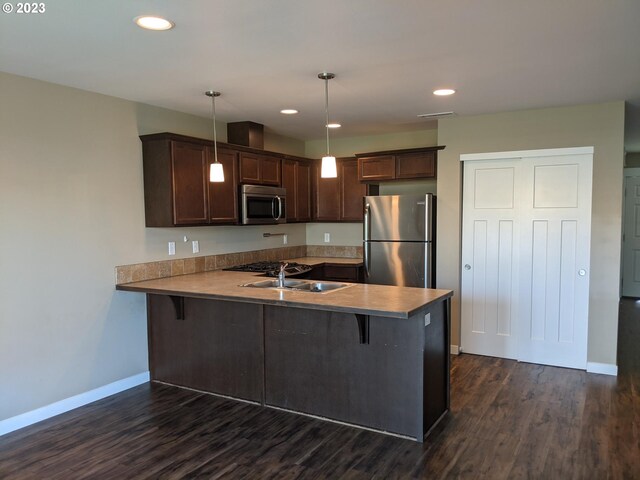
x=215 y=143
x=326 y=109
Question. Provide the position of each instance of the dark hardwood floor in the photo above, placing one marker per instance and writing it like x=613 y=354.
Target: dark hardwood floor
x=507 y=420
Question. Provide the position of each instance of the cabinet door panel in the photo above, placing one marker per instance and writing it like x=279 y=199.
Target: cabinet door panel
x=351 y=191
x=382 y=167
x=270 y=171
x=223 y=202
x=416 y=165
x=249 y=168
x=303 y=192
x=290 y=184
x=216 y=348
x=326 y=197
x=188 y=166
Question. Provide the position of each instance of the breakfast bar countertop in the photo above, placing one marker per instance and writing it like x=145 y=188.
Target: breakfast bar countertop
x=367 y=299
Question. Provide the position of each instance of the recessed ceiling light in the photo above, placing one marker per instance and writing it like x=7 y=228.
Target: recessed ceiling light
x=153 y=23
x=289 y=111
x=442 y=92
x=333 y=125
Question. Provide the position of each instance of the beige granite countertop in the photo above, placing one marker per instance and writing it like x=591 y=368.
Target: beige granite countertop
x=379 y=300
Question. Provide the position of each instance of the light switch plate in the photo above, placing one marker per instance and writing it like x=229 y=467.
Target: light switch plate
x=327 y=237
x=172 y=248
x=195 y=246
x=285 y=240
x=427 y=319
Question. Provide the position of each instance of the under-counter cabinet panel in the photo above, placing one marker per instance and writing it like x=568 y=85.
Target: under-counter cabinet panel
x=217 y=347
x=397 y=382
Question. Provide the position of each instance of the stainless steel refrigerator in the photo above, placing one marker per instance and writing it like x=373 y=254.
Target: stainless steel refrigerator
x=399 y=240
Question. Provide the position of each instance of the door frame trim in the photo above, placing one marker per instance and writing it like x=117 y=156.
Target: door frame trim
x=546 y=152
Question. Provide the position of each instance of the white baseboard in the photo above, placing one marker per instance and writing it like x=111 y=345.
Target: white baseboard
x=603 y=368
x=48 y=411
x=454 y=350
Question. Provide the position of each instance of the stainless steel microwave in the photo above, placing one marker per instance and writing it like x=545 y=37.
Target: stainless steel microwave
x=261 y=205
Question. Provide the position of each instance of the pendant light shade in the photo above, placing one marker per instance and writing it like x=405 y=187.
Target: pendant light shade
x=328 y=168
x=216 y=172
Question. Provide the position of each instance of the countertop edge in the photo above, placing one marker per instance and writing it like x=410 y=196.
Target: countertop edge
x=130 y=287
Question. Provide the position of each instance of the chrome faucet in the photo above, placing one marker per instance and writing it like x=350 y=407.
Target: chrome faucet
x=281 y=275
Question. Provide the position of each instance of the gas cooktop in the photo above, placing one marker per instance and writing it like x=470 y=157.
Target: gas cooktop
x=272 y=268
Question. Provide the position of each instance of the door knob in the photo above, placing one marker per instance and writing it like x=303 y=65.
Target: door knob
x=467 y=267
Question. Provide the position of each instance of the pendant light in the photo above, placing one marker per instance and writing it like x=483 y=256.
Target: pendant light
x=328 y=168
x=216 y=173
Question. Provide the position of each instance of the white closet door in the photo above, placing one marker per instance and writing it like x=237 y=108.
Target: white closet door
x=490 y=242
x=631 y=243
x=555 y=249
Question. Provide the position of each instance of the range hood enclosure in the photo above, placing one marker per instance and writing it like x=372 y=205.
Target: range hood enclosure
x=247 y=134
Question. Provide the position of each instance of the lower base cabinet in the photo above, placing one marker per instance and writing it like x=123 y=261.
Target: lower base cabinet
x=216 y=347
x=384 y=373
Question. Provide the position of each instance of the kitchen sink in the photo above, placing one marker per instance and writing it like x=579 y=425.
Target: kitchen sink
x=301 y=285
x=274 y=284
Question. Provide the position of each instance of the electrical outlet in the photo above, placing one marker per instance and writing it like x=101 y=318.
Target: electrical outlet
x=427 y=319
x=172 y=248
x=327 y=237
x=195 y=246
x=285 y=240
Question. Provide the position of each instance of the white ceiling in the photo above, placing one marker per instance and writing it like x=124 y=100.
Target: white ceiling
x=387 y=55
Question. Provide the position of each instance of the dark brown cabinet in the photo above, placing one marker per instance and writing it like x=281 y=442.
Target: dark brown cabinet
x=335 y=272
x=223 y=204
x=326 y=197
x=377 y=168
x=398 y=164
x=259 y=169
x=177 y=190
x=351 y=191
x=189 y=171
x=296 y=179
x=339 y=199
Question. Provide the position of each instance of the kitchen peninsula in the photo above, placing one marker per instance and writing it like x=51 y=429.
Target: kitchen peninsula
x=369 y=355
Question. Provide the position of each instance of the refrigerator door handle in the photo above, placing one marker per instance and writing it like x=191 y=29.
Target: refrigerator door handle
x=366 y=233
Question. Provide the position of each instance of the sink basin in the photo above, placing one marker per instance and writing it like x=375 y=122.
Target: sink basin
x=320 y=287
x=274 y=284
x=300 y=285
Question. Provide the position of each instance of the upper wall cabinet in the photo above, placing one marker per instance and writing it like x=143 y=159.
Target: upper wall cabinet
x=296 y=178
x=259 y=169
x=339 y=199
x=398 y=164
x=177 y=191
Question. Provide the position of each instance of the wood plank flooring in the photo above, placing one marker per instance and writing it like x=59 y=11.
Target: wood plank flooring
x=508 y=420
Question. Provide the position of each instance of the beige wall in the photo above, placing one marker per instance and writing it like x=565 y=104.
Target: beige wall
x=72 y=208
x=601 y=126
x=349 y=146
